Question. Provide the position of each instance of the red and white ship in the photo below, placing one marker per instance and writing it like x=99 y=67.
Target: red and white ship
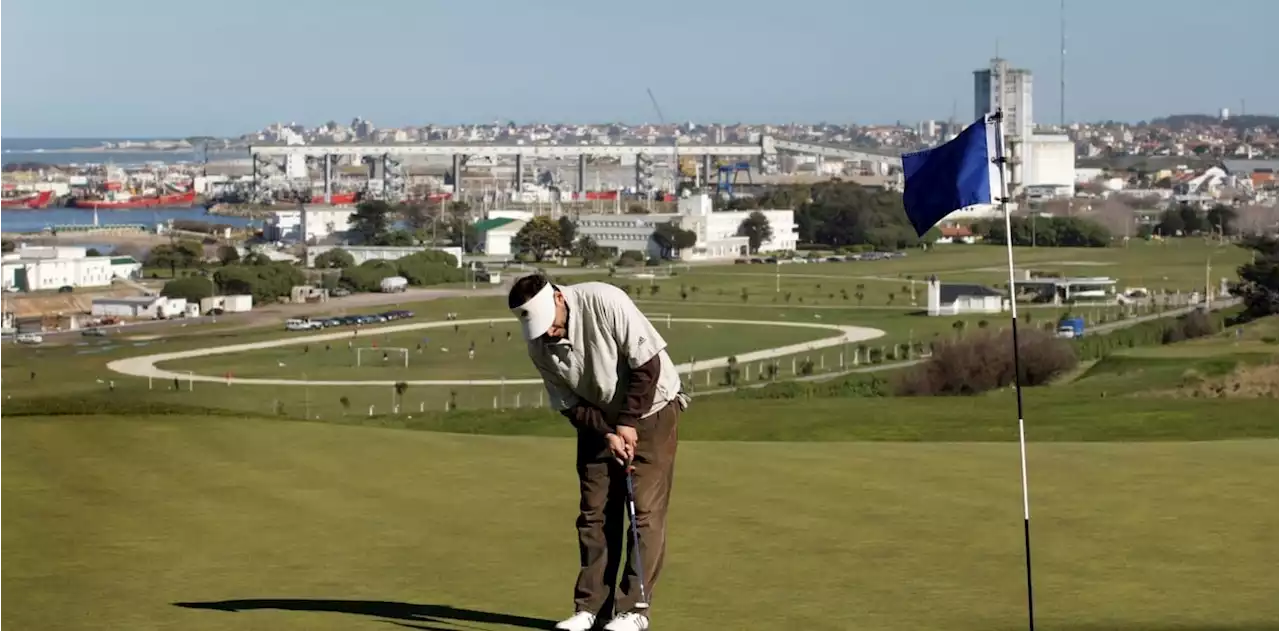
x=335 y=198
x=33 y=199
x=114 y=197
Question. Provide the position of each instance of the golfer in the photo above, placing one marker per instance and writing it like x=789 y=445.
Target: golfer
x=606 y=368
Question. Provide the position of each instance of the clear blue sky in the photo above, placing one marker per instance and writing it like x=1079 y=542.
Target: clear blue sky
x=152 y=68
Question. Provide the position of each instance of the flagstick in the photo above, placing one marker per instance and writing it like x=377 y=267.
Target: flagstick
x=1017 y=374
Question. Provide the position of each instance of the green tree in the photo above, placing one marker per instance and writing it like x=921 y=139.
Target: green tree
x=336 y=258
x=400 y=238
x=756 y=229
x=670 y=238
x=637 y=209
x=7 y=246
x=92 y=252
x=228 y=254
x=1257 y=285
x=368 y=276
x=193 y=288
x=843 y=213
x=429 y=267
x=371 y=220
x=254 y=259
x=1220 y=218
x=586 y=248
x=537 y=237
x=184 y=253
x=266 y=283
x=568 y=231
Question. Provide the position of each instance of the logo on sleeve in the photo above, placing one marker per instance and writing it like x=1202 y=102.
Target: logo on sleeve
x=642 y=340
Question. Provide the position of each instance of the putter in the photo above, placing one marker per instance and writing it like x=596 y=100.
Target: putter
x=643 y=603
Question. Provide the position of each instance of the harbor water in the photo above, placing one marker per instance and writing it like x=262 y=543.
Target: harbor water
x=31 y=221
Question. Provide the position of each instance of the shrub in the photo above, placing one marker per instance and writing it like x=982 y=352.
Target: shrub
x=1198 y=324
x=631 y=258
x=982 y=361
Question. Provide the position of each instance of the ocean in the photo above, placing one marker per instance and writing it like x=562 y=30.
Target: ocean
x=53 y=151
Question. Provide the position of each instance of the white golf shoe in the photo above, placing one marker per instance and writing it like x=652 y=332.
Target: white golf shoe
x=581 y=621
x=628 y=621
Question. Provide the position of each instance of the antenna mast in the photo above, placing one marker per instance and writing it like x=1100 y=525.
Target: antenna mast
x=1062 y=67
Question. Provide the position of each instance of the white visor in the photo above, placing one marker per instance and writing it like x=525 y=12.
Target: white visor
x=537 y=315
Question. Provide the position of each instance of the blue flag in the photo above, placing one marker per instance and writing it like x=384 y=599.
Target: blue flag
x=957 y=174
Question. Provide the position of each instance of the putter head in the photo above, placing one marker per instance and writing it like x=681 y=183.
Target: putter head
x=641 y=605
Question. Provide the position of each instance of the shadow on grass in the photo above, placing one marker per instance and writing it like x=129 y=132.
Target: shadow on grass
x=428 y=614
x=1139 y=626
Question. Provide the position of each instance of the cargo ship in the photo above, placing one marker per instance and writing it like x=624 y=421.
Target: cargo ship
x=335 y=198
x=35 y=200
x=123 y=200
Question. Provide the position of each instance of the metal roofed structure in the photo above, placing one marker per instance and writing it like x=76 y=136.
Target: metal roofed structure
x=266 y=156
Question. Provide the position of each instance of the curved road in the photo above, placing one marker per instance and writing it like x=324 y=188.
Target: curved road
x=145 y=366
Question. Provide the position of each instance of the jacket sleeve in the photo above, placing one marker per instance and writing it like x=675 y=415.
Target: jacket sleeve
x=642 y=387
x=587 y=417
x=641 y=345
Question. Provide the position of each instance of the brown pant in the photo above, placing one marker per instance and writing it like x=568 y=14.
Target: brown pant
x=603 y=511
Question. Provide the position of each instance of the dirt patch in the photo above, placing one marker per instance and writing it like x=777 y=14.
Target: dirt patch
x=1245 y=382
x=51 y=302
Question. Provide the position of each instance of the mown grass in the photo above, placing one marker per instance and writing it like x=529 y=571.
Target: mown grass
x=155 y=522
x=442 y=353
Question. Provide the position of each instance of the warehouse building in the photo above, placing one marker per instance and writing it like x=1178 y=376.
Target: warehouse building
x=496 y=233
x=39 y=268
x=139 y=307
x=717 y=232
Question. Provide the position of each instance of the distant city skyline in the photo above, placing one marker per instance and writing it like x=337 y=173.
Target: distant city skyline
x=77 y=68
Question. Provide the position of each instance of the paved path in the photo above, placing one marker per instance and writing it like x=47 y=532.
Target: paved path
x=145 y=366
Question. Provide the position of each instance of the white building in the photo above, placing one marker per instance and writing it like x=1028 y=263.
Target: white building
x=999 y=87
x=717 y=231
x=228 y=304
x=363 y=253
x=958 y=299
x=308 y=224
x=496 y=234
x=37 y=268
x=139 y=307
x=1050 y=165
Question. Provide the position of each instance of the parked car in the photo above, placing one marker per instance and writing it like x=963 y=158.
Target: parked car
x=299 y=324
x=29 y=338
x=93 y=332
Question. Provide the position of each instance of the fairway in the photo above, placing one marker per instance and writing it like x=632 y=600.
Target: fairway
x=1174 y=265
x=442 y=352
x=111 y=522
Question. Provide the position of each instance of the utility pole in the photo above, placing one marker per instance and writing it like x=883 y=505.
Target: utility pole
x=1207 y=268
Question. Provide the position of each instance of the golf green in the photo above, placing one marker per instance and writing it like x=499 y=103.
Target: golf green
x=155 y=523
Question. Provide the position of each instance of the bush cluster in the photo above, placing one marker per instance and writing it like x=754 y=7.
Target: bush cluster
x=420 y=269
x=1153 y=332
x=982 y=361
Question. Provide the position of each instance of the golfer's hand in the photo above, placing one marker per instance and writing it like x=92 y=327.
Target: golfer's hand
x=619 y=448
x=629 y=437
